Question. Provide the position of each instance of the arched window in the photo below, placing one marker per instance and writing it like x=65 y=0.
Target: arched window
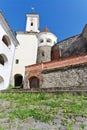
x=6 y=40
x=48 y=40
x=31 y=23
x=3 y=59
x=41 y=40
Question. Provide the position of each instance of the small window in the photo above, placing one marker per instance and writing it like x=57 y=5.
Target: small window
x=17 y=61
x=48 y=40
x=31 y=23
x=43 y=54
x=41 y=41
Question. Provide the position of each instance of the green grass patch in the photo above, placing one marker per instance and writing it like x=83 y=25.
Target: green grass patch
x=44 y=107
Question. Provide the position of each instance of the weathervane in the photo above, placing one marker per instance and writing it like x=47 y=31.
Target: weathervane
x=33 y=9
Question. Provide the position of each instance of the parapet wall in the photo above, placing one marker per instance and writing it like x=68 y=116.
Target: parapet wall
x=67 y=72
x=67 y=77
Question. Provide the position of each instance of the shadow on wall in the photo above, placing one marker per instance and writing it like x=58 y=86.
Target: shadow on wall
x=1 y=82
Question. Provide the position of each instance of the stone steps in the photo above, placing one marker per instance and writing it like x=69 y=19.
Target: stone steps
x=45 y=90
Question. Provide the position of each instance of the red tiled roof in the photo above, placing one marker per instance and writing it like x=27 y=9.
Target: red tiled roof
x=45 y=30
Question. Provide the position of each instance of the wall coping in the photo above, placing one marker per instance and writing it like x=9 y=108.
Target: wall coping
x=63 y=62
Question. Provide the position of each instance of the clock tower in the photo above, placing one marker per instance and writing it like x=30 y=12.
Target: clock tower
x=26 y=53
x=32 y=23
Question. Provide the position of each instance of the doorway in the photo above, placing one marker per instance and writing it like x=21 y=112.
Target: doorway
x=34 y=82
x=18 y=80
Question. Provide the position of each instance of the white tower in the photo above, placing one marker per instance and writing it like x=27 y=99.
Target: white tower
x=32 y=23
x=46 y=41
x=26 y=53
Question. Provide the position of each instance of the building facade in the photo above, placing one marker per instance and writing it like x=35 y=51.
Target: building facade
x=35 y=47
x=39 y=61
x=26 y=53
x=66 y=70
x=7 y=48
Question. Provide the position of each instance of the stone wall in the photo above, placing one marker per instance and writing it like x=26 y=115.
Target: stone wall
x=65 y=73
x=78 y=47
x=75 y=76
x=71 y=47
x=64 y=45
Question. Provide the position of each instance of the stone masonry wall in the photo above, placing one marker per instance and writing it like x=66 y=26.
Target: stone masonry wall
x=65 y=44
x=67 y=77
x=44 y=54
x=78 y=47
x=67 y=72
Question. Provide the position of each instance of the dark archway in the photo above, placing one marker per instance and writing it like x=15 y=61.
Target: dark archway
x=34 y=82
x=6 y=40
x=3 y=59
x=18 y=80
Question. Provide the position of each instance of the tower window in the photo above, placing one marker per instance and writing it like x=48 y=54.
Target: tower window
x=48 y=40
x=31 y=23
x=43 y=54
x=17 y=61
x=41 y=41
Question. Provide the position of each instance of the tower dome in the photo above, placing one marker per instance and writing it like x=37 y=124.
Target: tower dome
x=46 y=41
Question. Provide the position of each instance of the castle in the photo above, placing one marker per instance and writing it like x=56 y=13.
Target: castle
x=42 y=63
x=35 y=47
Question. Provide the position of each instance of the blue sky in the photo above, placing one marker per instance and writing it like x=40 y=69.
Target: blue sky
x=65 y=18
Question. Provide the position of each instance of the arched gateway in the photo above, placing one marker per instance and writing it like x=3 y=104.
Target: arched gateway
x=34 y=82
x=18 y=80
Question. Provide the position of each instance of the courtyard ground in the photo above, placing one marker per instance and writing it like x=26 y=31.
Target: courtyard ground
x=30 y=111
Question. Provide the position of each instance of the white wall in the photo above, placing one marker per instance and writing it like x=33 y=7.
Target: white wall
x=5 y=70
x=26 y=53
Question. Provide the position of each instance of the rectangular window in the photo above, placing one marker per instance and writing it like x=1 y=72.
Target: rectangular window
x=17 y=61
x=31 y=23
x=43 y=54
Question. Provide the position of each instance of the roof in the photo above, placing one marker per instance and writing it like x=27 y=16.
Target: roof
x=45 y=30
x=6 y=27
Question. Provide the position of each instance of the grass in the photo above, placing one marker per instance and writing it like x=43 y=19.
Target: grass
x=44 y=107
x=2 y=128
